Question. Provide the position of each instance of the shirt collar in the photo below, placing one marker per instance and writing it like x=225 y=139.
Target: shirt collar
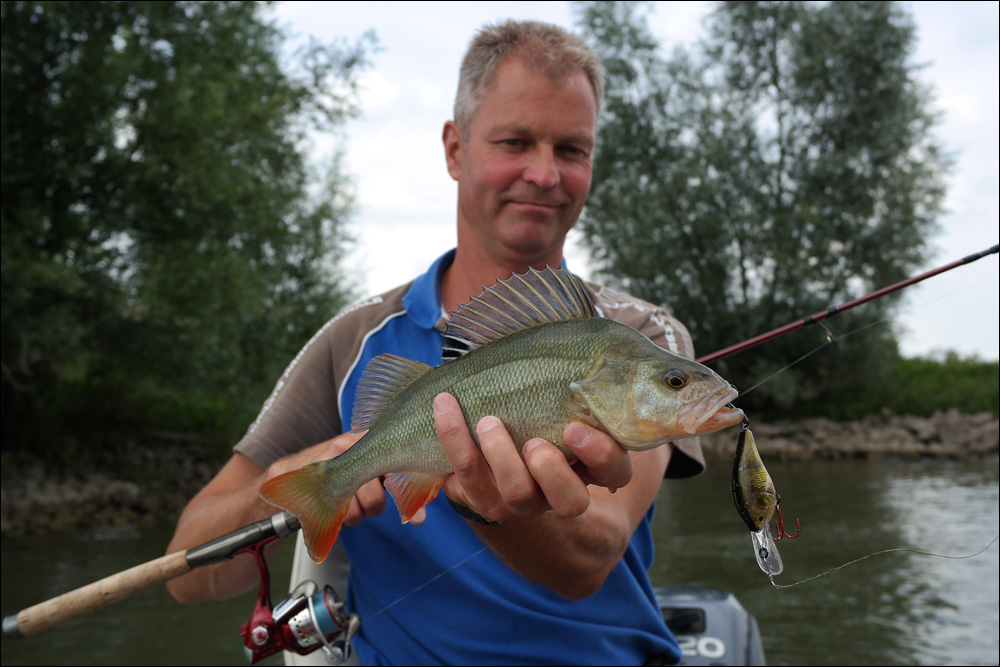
x=423 y=300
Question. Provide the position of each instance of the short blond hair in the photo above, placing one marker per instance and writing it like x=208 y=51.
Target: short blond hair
x=546 y=48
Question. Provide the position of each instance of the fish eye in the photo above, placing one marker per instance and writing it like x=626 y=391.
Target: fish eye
x=675 y=378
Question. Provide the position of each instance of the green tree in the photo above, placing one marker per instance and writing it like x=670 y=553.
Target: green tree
x=166 y=247
x=783 y=165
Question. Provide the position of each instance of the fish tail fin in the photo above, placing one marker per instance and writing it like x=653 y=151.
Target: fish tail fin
x=412 y=490
x=320 y=513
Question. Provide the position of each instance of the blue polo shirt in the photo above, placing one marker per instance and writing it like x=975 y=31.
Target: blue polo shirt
x=433 y=594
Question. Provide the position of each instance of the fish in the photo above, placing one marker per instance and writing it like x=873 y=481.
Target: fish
x=532 y=351
x=756 y=501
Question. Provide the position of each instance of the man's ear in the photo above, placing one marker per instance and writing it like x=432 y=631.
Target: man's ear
x=452 y=139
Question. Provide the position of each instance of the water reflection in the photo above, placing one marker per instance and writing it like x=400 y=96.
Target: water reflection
x=947 y=509
x=898 y=608
x=148 y=629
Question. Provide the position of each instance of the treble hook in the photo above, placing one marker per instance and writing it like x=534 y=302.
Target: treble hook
x=781 y=527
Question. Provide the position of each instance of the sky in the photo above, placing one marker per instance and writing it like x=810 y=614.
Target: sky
x=405 y=200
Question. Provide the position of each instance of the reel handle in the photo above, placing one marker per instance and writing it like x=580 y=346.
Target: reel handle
x=94 y=596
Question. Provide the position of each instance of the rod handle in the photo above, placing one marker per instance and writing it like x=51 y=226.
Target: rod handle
x=97 y=595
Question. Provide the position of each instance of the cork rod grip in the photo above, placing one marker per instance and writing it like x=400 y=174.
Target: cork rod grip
x=97 y=595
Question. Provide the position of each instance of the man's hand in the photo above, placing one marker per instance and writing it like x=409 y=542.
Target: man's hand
x=557 y=530
x=501 y=485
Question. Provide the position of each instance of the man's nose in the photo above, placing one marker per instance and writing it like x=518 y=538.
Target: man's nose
x=542 y=168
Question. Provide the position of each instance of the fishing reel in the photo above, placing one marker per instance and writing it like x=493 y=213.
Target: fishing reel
x=308 y=619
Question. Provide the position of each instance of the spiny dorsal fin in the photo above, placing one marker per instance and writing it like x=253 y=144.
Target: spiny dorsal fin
x=522 y=301
x=385 y=376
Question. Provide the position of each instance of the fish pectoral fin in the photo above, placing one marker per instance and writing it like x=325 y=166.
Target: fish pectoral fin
x=412 y=490
x=581 y=412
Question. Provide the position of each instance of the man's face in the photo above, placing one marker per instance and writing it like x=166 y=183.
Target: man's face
x=524 y=169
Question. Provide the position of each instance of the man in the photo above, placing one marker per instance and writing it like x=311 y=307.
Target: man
x=564 y=577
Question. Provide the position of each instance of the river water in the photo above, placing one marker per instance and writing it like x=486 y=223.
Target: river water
x=899 y=608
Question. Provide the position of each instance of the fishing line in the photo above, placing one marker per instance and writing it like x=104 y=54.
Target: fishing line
x=780 y=371
x=423 y=585
x=876 y=553
x=830 y=338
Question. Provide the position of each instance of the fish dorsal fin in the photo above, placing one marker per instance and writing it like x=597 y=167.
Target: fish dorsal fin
x=385 y=376
x=522 y=301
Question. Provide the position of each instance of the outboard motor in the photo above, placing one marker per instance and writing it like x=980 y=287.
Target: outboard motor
x=711 y=626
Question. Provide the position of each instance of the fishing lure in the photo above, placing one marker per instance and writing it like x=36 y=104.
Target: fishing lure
x=757 y=502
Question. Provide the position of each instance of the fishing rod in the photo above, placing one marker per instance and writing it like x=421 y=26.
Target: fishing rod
x=127 y=583
x=310 y=617
x=830 y=312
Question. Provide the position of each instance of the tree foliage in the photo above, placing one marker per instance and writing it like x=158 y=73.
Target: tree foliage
x=783 y=165
x=165 y=246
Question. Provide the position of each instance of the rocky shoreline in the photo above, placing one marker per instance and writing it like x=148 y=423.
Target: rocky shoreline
x=947 y=434
x=162 y=479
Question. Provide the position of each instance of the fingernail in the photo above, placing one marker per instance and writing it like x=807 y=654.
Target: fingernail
x=487 y=424
x=441 y=404
x=530 y=445
x=578 y=435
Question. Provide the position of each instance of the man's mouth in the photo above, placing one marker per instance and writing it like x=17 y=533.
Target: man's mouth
x=530 y=205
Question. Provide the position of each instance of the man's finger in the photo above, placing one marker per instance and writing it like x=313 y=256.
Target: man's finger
x=471 y=470
x=368 y=502
x=516 y=487
x=604 y=460
x=563 y=490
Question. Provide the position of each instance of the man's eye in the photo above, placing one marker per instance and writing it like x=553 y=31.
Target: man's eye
x=514 y=143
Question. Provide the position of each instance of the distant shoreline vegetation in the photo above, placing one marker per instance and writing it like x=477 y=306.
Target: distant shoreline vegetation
x=918 y=386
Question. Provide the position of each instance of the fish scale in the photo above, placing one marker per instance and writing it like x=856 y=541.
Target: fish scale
x=535 y=354
x=525 y=392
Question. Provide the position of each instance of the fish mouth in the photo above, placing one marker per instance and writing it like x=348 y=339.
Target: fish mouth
x=710 y=412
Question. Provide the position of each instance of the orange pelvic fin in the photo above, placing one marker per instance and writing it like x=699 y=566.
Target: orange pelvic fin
x=320 y=513
x=412 y=490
